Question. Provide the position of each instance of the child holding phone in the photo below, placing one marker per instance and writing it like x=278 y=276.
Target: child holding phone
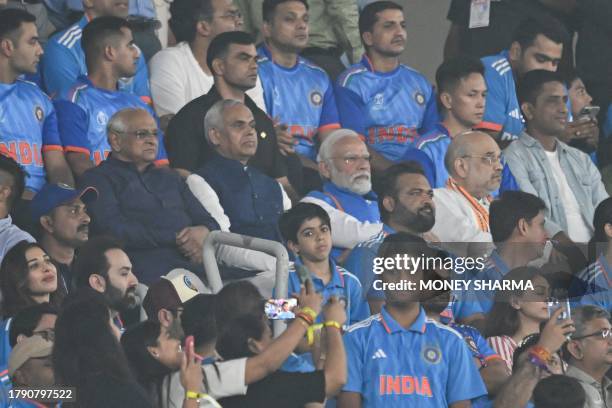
x=306 y=228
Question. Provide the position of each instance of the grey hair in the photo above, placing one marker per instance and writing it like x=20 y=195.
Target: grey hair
x=584 y=314
x=325 y=151
x=214 y=116
x=118 y=122
x=456 y=150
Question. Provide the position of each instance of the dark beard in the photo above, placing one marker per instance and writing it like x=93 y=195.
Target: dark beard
x=118 y=301
x=415 y=221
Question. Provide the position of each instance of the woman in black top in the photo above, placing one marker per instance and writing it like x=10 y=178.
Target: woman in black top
x=249 y=335
x=87 y=355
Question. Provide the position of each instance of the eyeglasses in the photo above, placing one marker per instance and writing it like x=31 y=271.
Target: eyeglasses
x=48 y=334
x=601 y=335
x=490 y=160
x=352 y=160
x=234 y=15
x=140 y=134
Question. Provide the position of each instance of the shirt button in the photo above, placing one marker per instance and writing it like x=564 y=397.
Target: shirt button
x=255 y=196
x=263 y=135
x=261 y=218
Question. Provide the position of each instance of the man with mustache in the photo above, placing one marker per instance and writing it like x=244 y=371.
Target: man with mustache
x=61 y=212
x=564 y=177
x=386 y=102
x=347 y=196
x=104 y=266
x=406 y=204
x=473 y=162
x=589 y=354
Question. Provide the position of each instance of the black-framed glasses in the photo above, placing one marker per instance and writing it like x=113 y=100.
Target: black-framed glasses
x=140 y=134
x=351 y=160
x=234 y=15
x=490 y=160
x=601 y=334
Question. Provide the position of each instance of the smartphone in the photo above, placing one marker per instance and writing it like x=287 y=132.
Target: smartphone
x=280 y=309
x=303 y=273
x=590 y=111
x=554 y=304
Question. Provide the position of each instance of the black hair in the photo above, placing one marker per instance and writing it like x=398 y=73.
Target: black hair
x=511 y=207
x=92 y=259
x=525 y=344
x=219 y=46
x=402 y=243
x=98 y=33
x=149 y=372
x=234 y=340
x=570 y=75
x=603 y=216
x=11 y=20
x=387 y=186
x=551 y=28
x=530 y=85
x=236 y=299
x=26 y=320
x=198 y=319
x=85 y=346
x=452 y=71
x=558 y=391
x=369 y=15
x=269 y=7
x=185 y=17
x=503 y=320
x=14 y=272
x=17 y=174
x=291 y=221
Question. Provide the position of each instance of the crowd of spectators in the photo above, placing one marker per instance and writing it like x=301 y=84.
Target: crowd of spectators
x=130 y=130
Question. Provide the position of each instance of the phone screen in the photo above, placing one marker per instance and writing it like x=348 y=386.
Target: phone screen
x=280 y=309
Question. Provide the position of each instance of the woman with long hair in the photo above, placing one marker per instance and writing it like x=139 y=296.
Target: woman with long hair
x=27 y=277
x=517 y=313
x=592 y=285
x=87 y=355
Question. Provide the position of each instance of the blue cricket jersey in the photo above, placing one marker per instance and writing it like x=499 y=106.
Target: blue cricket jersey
x=361 y=262
x=426 y=365
x=595 y=280
x=343 y=284
x=435 y=144
x=83 y=114
x=302 y=97
x=64 y=61
x=363 y=207
x=28 y=127
x=502 y=110
x=608 y=125
x=389 y=109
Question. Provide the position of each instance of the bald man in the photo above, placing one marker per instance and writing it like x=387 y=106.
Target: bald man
x=150 y=209
x=473 y=162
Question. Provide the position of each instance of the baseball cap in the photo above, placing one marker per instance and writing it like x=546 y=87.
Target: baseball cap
x=31 y=347
x=54 y=195
x=171 y=291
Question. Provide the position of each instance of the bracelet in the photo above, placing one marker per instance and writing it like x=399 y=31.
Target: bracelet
x=538 y=363
x=194 y=395
x=303 y=322
x=310 y=312
x=306 y=318
x=333 y=323
x=541 y=353
x=310 y=333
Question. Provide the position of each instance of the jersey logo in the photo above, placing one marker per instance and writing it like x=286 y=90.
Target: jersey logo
x=419 y=98
x=38 y=113
x=432 y=354
x=379 y=354
x=404 y=385
x=379 y=101
x=101 y=118
x=316 y=98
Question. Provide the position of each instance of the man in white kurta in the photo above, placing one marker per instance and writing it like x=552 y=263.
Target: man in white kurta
x=474 y=165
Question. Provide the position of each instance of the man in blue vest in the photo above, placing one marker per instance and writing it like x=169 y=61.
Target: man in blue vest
x=347 y=196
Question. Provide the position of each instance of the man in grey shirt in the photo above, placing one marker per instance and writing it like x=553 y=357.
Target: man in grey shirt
x=563 y=176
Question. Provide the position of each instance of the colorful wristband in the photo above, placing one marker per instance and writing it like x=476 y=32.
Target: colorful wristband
x=310 y=333
x=310 y=312
x=306 y=318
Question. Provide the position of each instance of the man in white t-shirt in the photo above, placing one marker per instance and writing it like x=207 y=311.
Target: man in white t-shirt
x=473 y=162
x=180 y=74
x=563 y=176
